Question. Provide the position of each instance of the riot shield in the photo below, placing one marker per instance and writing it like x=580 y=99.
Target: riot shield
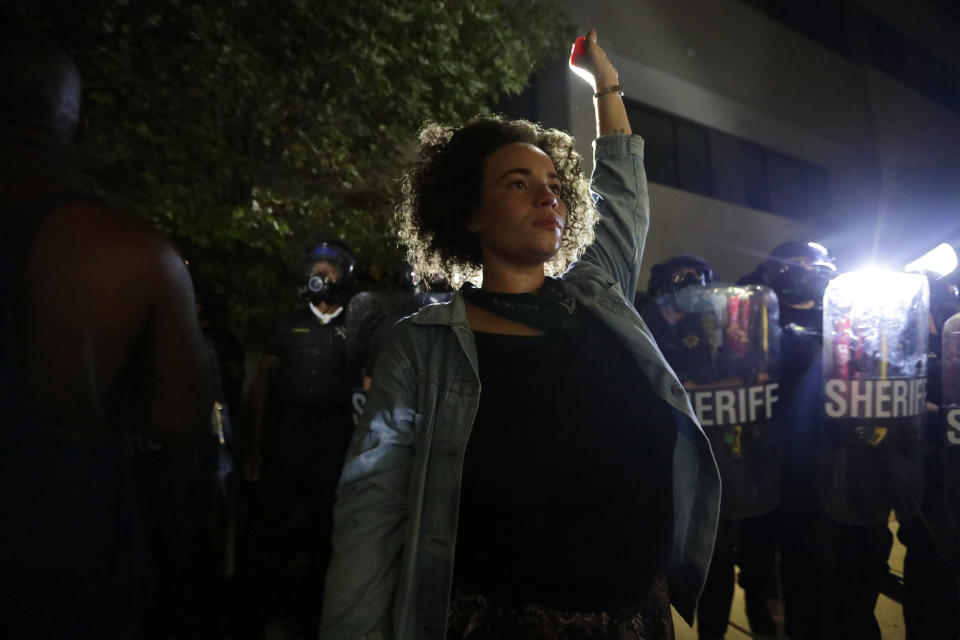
x=950 y=410
x=875 y=372
x=726 y=349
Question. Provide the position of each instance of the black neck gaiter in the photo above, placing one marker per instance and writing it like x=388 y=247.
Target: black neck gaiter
x=549 y=309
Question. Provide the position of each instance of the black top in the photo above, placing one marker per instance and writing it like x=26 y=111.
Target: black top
x=567 y=484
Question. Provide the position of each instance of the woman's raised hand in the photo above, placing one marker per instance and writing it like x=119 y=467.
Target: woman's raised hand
x=590 y=62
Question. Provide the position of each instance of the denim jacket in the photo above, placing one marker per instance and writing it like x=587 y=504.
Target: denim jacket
x=398 y=502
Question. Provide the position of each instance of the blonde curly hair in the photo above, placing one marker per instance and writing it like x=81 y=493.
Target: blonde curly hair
x=432 y=216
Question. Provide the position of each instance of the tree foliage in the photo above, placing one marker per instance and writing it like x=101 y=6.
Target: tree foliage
x=246 y=129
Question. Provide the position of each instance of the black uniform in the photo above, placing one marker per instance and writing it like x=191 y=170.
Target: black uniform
x=720 y=362
x=831 y=572
x=682 y=344
x=304 y=443
x=931 y=565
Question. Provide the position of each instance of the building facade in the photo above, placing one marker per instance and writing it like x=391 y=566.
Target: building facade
x=773 y=120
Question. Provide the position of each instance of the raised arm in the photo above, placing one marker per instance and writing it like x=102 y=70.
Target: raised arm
x=619 y=181
x=590 y=62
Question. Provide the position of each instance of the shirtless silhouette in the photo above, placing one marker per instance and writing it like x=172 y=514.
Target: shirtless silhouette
x=98 y=338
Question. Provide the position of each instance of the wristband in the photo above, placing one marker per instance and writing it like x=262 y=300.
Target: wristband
x=613 y=88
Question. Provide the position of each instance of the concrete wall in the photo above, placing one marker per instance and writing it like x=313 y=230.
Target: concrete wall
x=649 y=42
x=732 y=239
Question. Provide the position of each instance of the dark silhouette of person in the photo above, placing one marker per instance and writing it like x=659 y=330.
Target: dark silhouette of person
x=931 y=564
x=99 y=338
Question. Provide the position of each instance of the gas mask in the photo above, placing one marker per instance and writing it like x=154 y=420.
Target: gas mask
x=673 y=289
x=321 y=286
x=321 y=289
x=797 y=283
x=688 y=279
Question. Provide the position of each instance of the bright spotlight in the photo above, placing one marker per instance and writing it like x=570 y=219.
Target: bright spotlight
x=940 y=260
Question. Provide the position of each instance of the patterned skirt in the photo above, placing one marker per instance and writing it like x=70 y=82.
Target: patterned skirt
x=474 y=616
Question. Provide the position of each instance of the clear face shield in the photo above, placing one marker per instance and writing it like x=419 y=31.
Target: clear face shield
x=796 y=280
x=682 y=278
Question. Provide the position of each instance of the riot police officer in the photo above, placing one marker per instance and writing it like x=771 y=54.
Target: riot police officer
x=798 y=272
x=299 y=431
x=831 y=572
x=677 y=332
x=684 y=342
x=931 y=565
x=721 y=343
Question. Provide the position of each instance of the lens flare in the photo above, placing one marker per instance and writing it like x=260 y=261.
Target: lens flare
x=940 y=260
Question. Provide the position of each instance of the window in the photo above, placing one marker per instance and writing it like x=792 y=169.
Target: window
x=728 y=177
x=693 y=159
x=689 y=156
x=796 y=188
x=750 y=158
x=658 y=136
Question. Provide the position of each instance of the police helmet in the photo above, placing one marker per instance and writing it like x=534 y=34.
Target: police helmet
x=318 y=288
x=664 y=279
x=799 y=271
x=812 y=254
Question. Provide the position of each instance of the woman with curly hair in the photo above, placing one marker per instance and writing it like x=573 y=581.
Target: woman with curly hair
x=528 y=465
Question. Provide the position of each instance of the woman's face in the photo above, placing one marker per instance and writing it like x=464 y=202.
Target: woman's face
x=520 y=218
